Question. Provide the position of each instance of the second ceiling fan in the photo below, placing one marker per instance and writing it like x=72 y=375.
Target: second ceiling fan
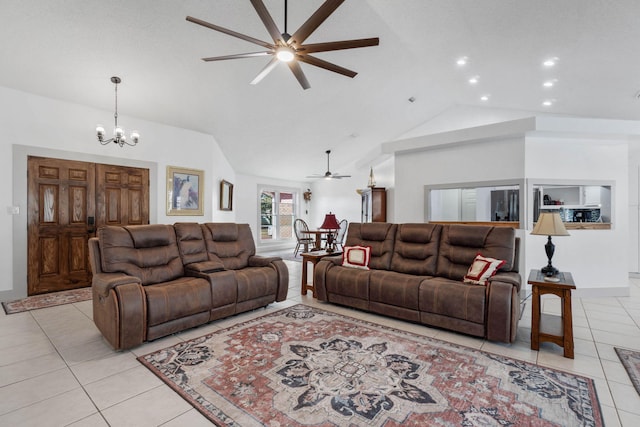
x=328 y=174
x=291 y=48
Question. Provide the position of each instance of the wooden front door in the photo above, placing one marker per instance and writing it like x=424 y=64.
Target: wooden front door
x=62 y=216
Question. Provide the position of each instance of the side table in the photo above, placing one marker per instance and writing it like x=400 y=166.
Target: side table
x=547 y=327
x=313 y=257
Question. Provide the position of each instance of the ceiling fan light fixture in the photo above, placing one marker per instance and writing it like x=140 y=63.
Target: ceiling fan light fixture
x=285 y=54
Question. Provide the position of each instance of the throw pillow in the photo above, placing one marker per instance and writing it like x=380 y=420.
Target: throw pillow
x=482 y=269
x=356 y=256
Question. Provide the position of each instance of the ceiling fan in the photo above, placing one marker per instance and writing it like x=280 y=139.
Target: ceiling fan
x=328 y=174
x=291 y=48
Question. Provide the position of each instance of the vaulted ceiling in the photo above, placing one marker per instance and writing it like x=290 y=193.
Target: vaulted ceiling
x=68 y=50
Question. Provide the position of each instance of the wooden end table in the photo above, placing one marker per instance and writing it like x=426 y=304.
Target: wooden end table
x=313 y=257
x=547 y=327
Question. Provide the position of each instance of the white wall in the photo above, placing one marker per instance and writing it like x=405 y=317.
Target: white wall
x=480 y=161
x=34 y=125
x=634 y=207
x=597 y=259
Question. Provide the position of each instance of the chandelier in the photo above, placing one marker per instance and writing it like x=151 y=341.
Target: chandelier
x=118 y=133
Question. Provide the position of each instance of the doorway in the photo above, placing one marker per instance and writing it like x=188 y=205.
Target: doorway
x=67 y=201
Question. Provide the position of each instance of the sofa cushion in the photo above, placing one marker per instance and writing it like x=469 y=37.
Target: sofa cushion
x=176 y=299
x=256 y=282
x=356 y=256
x=351 y=282
x=460 y=244
x=230 y=243
x=482 y=269
x=453 y=299
x=191 y=242
x=148 y=252
x=379 y=236
x=398 y=289
x=416 y=249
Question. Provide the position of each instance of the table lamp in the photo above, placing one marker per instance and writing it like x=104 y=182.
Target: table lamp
x=549 y=224
x=330 y=223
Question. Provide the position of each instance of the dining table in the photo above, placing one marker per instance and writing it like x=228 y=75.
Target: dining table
x=317 y=236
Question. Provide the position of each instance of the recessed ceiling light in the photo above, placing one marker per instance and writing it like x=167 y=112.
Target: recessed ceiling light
x=484 y=98
x=462 y=61
x=474 y=80
x=550 y=62
x=547 y=103
x=549 y=83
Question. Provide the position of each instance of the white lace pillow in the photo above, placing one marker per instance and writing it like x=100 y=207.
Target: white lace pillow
x=482 y=269
x=356 y=256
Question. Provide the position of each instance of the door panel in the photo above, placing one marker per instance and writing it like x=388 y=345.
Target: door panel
x=123 y=195
x=67 y=201
x=60 y=200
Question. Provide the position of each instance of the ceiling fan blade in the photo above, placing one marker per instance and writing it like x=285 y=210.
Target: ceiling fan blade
x=230 y=32
x=314 y=21
x=295 y=68
x=344 y=44
x=312 y=60
x=266 y=70
x=237 y=56
x=267 y=20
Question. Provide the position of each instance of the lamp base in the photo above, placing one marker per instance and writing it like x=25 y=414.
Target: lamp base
x=549 y=270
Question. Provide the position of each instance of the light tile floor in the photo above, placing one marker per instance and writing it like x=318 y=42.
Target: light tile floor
x=56 y=370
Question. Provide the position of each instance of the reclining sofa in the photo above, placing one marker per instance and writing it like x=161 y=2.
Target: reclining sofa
x=416 y=273
x=150 y=281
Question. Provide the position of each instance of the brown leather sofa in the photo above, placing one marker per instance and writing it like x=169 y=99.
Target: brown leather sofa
x=150 y=281
x=416 y=273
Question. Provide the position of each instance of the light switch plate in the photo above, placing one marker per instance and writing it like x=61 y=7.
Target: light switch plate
x=13 y=210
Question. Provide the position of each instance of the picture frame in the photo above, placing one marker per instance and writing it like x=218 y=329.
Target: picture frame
x=185 y=190
x=226 y=196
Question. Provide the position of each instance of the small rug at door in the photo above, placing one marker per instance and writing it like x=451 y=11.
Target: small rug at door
x=303 y=366
x=631 y=361
x=47 y=300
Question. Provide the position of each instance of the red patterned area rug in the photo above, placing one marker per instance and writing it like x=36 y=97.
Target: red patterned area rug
x=631 y=361
x=47 y=300
x=303 y=366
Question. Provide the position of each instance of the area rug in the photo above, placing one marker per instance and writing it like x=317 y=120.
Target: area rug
x=47 y=300
x=631 y=361
x=303 y=366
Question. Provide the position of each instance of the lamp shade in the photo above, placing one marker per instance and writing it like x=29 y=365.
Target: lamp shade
x=549 y=224
x=330 y=222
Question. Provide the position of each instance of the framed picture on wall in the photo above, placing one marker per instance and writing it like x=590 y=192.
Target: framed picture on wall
x=226 y=196
x=185 y=189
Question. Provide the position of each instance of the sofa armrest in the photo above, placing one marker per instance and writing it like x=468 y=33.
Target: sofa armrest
x=503 y=311
x=102 y=283
x=203 y=267
x=507 y=277
x=262 y=261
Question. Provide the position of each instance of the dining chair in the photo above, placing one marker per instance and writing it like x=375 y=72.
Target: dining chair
x=303 y=239
x=342 y=232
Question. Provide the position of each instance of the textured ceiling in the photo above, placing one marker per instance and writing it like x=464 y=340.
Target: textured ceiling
x=68 y=49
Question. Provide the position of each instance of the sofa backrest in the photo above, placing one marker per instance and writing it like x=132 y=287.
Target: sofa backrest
x=460 y=244
x=191 y=242
x=230 y=243
x=416 y=249
x=378 y=235
x=149 y=252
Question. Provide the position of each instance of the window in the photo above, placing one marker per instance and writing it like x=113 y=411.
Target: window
x=278 y=209
x=493 y=202
x=581 y=204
